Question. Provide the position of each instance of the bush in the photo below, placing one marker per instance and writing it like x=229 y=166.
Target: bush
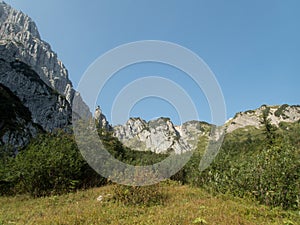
x=139 y=195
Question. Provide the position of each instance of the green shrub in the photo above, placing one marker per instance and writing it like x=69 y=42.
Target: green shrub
x=280 y=111
x=139 y=195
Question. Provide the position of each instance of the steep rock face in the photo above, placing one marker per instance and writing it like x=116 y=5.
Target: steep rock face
x=47 y=107
x=191 y=131
x=276 y=114
x=19 y=29
x=16 y=126
x=160 y=135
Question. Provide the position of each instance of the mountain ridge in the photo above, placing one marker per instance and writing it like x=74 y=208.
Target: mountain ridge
x=139 y=135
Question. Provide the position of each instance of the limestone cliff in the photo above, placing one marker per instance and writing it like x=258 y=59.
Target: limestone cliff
x=48 y=108
x=160 y=135
x=32 y=72
x=276 y=114
x=19 y=30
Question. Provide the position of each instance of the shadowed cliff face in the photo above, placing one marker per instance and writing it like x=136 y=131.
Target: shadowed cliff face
x=48 y=108
x=16 y=126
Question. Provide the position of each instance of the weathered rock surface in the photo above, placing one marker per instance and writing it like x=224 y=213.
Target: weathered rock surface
x=47 y=107
x=18 y=29
x=276 y=114
x=160 y=135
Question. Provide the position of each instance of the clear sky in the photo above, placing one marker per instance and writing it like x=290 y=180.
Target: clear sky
x=252 y=47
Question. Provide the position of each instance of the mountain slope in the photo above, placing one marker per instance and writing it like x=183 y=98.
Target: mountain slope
x=33 y=73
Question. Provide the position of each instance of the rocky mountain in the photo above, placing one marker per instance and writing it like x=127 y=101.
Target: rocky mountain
x=32 y=73
x=162 y=136
x=20 y=36
x=37 y=95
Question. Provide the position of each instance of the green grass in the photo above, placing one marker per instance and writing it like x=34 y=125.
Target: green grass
x=183 y=205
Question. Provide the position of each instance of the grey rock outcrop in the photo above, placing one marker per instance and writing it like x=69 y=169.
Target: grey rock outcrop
x=160 y=135
x=18 y=29
x=100 y=119
x=276 y=114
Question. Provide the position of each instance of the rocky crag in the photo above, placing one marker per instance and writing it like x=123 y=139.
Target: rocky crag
x=162 y=136
x=19 y=34
x=36 y=94
x=35 y=76
x=276 y=114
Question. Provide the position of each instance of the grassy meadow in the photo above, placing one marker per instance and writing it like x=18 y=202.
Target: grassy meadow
x=182 y=205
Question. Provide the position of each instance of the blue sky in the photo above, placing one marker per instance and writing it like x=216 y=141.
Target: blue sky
x=252 y=47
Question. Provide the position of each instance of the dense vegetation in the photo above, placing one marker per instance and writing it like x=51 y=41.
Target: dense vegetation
x=260 y=164
x=52 y=164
